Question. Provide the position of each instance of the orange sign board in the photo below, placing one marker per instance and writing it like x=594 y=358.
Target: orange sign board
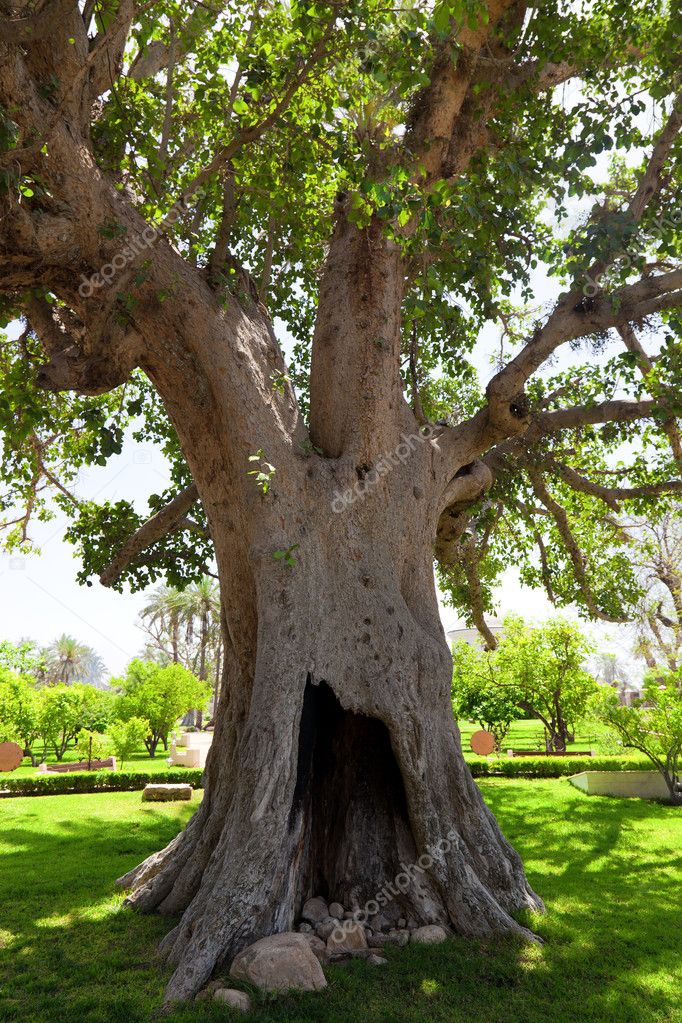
x=482 y=743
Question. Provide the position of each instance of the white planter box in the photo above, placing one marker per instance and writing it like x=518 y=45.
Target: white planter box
x=641 y=784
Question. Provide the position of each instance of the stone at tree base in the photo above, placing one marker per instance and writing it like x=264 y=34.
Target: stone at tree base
x=348 y=937
x=305 y=928
x=157 y=793
x=318 y=946
x=336 y=910
x=380 y=923
x=235 y=999
x=431 y=934
x=209 y=990
x=376 y=960
x=324 y=929
x=315 y=910
x=399 y=938
x=280 y=962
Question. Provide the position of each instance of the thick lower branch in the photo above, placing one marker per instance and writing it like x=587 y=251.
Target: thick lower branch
x=168 y=518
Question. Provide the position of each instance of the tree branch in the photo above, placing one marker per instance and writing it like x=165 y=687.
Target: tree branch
x=574 y=317
x=435 y=111
x=612 y=496
x=167 y=520
x=253 y=132
x=633 y=345
x=107 y=50
x=573 y=550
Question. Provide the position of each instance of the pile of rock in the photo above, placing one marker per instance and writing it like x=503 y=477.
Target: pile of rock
x=327 y=933
x=336 y=933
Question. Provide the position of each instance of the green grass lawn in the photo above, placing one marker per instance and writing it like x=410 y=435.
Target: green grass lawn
x=609 y=870
x=529 y=735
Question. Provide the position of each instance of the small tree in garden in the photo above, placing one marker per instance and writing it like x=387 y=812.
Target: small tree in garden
x=544 y=668
x=61 y=717
x=91 y=746
x=127 y=736
x=161 y=695
x=66 y=709
x=97 y=708
x=652 y=725
x=19 y=710
x=477 y=693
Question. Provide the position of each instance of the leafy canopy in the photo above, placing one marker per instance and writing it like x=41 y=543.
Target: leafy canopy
x=544 y=198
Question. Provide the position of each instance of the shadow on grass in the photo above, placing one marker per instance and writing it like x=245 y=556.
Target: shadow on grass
x=609 y=870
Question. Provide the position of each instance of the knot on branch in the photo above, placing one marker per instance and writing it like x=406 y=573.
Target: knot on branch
x=469 y=483
x=91 y=361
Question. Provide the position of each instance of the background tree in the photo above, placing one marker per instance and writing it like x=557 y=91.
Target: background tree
x=19 y=711
x=63 y=711
x=161 y=619
x=184 y=627
x=477 y=693
x=652 y=725
x=127 y=736
x=544 y=666
x=384 y=183
x=161 y=695
x=24 y=657
x=67 y=660
x=657 y=554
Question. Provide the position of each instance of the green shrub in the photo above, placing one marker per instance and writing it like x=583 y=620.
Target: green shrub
x=91 y=745
x=98 y=781
x=127 y=736
x=552 y=767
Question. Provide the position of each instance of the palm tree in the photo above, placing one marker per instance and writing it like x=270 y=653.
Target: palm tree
x=184 y=627
x=162 y=619
x=201 y=606
x=67 y=660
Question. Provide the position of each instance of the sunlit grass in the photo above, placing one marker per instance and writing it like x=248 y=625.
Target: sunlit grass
x=609 y=870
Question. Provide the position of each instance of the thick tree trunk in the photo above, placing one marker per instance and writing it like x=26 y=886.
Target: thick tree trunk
x=336 y=763
x=336 y=759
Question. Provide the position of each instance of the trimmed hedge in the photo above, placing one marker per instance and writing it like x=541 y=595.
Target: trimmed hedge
x=553 y=767
x=97 y=781
x=131 y=781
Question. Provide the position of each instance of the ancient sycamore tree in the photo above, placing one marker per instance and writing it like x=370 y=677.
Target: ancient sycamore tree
x=377 y=185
